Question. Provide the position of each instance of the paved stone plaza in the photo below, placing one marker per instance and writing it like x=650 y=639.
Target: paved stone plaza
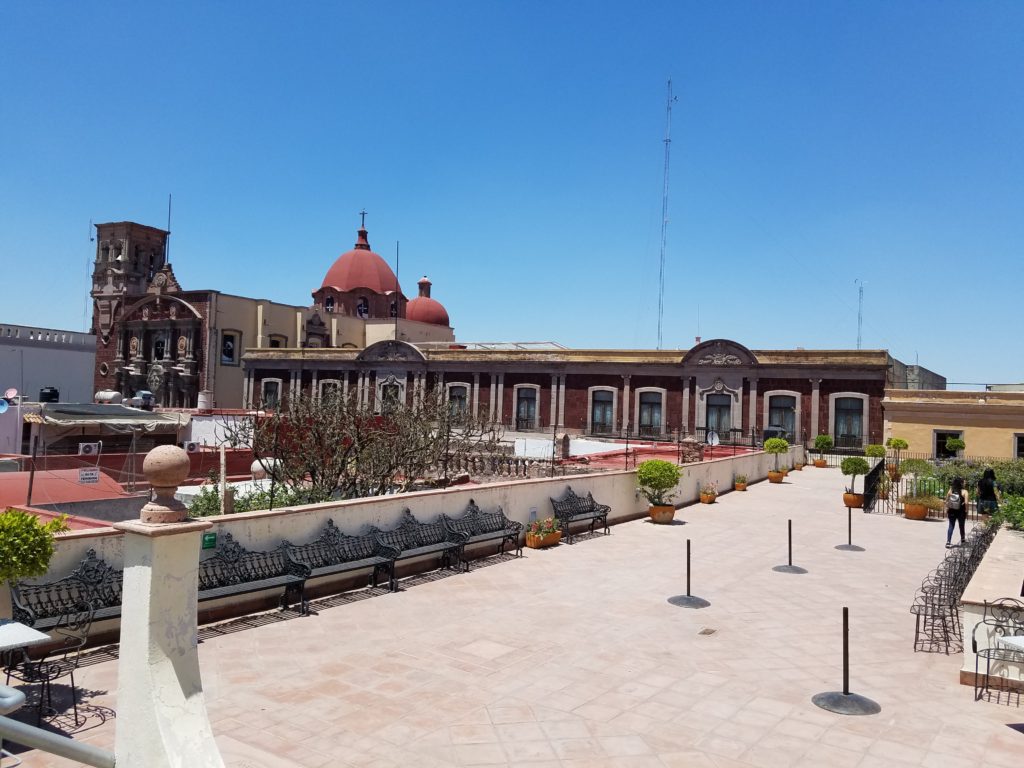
x=572 y=657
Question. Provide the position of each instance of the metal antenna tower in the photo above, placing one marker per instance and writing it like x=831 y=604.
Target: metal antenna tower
x=860 y=309
x=664 y=209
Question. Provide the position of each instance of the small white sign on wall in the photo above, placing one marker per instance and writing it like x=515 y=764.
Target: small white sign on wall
x=89 y=475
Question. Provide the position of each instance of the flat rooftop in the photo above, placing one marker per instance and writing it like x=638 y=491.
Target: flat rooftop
x=572 y=656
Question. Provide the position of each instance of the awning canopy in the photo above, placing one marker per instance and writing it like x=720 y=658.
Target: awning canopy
x=116 y=418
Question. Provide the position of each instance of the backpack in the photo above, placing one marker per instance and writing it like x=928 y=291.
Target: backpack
x=954 y=501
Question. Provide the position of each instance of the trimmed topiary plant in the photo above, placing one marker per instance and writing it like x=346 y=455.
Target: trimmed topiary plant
x=853 y=466
x=823 y=443
x=656 y=479
x=875 y=451
x=26 y=546
x=955 y=445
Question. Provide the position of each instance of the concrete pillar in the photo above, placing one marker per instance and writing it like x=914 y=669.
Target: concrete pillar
x=684 y=424
x=259 y=326
x=476 y=396
x=298 y=330
x=815 y=409
x=334 y=332
x=626 y=405
x=553 y=420
x=561 y=401
x=492 y=394
x=499 y=398
x=752 y=417
x=344 y=386
x=313 y=392
x=161 y=711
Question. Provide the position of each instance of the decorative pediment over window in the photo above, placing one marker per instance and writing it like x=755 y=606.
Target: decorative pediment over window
x=719 y=353
x=152 y=308
x=391 y=350
x=164 y=281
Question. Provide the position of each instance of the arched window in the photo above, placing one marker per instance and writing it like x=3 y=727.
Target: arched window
x=849 y=422
x=458 y=400
x=526 y=408
x=363 y=308
x=329 y=304
x=650 y=413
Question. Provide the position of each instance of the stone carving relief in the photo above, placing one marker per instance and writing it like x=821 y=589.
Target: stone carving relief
x=719 y=358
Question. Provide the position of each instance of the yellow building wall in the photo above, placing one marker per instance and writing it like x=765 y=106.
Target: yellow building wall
x=408 y=330
x=985 y=433
x=241 y=315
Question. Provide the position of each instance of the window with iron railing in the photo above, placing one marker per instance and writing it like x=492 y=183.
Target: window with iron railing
x=602 y=412
x=526 y=408
x=650 y=413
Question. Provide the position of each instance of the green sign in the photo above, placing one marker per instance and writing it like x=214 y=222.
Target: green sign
x=210 y=540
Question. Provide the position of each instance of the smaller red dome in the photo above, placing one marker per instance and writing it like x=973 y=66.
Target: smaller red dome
x=424 y=309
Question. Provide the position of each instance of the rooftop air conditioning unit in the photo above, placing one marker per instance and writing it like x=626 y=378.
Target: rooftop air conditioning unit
x=191 y=446
x=89 y=449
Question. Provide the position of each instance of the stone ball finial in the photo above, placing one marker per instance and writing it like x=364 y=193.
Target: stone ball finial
x=165 y=467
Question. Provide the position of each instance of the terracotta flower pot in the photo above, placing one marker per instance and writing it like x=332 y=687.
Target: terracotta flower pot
x=882 y=494
x=541 y=540
x=820 y=463
x=708 y=498
x=662 y=514
x=740 y=486
x=775 y=477
x=853 y=500
x=915 y=511
x=798 y=467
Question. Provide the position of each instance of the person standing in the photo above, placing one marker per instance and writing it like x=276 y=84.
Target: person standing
x=988 y=492
x=956 y=510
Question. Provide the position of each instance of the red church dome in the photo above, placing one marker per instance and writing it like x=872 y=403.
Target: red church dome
x=361 y=268
x=424 y=309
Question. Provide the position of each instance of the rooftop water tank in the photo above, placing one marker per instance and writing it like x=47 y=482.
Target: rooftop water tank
x=108 y=397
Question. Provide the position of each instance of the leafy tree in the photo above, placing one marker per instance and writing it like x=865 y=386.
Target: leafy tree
x=331 y=447
x=853 y=466
x=777 y=445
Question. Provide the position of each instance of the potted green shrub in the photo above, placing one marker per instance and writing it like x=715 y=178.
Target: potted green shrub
x=776 y=445
x=656 y=480
x=896 y=445
x=822 y=443
x=26 y=546
x=739 y=482
x=955 y=445
x=853 y=466
x=917 y=505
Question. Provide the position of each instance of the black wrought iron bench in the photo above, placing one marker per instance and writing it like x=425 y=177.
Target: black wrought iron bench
x=235 y=570
x=94 y=583
x=413 y=538
x=572 y=508
x=334 y=552
x=479 y=527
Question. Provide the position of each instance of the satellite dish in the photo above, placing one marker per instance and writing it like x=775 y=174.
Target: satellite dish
x=3 y=406
x=713 y=438
x=11 y=393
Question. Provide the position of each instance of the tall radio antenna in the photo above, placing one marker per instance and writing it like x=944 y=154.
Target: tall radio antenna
x=167 y=241
x=860 y=309
x=664 y=209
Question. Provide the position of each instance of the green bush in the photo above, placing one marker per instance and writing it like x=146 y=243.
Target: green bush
x=207 y=501
x=776 y=445
x=897 y=444
x=1010 y=512
x=26 y=545
x=917 y=467
x=955 y=444
x=823 y=443
x=655 y=478
x=853 y=466
x=931 y=501
x=875 y=451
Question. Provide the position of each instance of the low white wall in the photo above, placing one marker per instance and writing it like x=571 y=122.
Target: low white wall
x=520 y=499
x=998 y=575
x=535 y=448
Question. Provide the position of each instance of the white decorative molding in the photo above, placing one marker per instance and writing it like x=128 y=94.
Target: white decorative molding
x=515 y=403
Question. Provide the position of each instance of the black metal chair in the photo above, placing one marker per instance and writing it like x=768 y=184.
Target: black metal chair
x=72 y=633
x=1003 y=618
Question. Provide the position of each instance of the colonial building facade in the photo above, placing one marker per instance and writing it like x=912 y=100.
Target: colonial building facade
x=718 y=385
x=185 y=346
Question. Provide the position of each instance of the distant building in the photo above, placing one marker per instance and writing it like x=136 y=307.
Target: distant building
x=154 y=335
x=33 y=359
x=991 y=424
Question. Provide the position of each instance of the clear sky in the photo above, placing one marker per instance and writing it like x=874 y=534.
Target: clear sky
x=515 y=149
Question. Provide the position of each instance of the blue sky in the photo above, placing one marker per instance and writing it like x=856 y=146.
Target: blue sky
x=515 y=150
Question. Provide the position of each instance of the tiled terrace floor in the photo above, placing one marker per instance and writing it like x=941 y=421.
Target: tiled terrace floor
x=572 y=657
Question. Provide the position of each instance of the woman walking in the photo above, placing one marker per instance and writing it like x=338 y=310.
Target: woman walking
x=956 y=509
x=988 y=492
